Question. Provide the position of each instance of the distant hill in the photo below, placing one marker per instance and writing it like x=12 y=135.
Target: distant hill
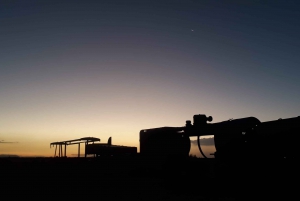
x=8 y=156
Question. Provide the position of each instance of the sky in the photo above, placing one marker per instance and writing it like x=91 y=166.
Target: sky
x=72 y=69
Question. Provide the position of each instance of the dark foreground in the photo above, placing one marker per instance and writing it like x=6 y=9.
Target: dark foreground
x=134 y=178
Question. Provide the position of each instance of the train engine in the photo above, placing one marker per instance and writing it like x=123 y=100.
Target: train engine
x=236 y=138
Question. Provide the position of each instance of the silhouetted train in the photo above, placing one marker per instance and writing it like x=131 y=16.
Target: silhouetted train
x=243 y=138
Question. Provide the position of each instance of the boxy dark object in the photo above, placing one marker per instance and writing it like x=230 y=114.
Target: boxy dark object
x=235 y=138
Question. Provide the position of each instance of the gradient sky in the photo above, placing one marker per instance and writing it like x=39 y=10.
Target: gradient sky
x=71 y=69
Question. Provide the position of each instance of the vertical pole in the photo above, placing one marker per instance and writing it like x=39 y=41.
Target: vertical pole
x=61 y=151
x=65 y=150
x=78 y=150
x=85 y=150
x=58 y=150
x=55 y=150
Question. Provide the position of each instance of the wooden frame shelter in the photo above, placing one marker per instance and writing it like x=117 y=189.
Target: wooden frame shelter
x=61 y=153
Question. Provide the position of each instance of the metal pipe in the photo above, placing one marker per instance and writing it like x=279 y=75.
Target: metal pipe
x=198 y=141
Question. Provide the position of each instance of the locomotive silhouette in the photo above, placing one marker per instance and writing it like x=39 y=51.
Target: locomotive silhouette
x=236 y=138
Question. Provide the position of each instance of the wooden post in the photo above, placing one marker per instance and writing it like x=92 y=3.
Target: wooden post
x=85 y=149
x=61 y=151
x=55 y=150
x=58 y=150
x=65 y=150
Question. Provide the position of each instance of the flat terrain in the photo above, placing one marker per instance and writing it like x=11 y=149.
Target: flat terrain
x=134 y=178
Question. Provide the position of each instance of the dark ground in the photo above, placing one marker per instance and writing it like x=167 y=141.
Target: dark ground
x=134 y=178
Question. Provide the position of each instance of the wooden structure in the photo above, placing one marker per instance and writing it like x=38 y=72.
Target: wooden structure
x=92 y=148
x=61 y=144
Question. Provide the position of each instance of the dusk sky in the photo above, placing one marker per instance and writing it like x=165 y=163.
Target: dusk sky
x=72 y=69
